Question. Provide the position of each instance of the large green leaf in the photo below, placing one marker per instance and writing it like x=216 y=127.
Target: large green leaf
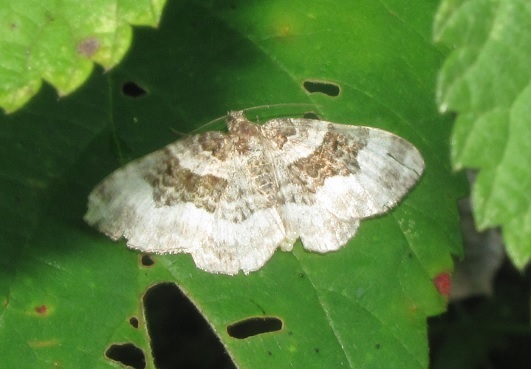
x=68 y=292
x=487 y=80
x=58 y=41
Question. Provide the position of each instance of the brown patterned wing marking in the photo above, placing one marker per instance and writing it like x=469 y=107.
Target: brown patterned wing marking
x=350 y=173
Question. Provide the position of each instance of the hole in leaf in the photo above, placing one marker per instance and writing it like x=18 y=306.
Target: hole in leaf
x=254 y=326
x=133 y=321
x=147 y=260
x=127 y=354
x=327 y=88
x=180 y=336
x=310 y=115
x=132 y=89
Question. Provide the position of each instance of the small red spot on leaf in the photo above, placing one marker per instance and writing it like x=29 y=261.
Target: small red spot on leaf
x=88 y=46
x=41 y=309
x=443 y=283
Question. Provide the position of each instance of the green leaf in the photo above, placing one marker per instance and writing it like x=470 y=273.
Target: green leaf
x=68 y=292
x=486 y=79
x=59 y=41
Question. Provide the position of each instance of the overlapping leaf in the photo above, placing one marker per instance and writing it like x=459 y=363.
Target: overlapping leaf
x=487 y=80
x=59 y=41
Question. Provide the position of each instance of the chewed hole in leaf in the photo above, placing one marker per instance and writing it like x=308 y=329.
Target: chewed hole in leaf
x=127 y=354
x=254 y=326
x=133 y=89
x=146 y=260
x=177 y=329
x=310 y=115
x=327 y=88
x=133 y=321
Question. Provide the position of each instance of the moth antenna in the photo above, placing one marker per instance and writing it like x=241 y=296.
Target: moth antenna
x=179 y=133
x=269 y=106
x=223 y=117
x=198 y=129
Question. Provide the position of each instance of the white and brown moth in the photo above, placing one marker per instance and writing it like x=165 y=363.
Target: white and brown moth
x=231 y=199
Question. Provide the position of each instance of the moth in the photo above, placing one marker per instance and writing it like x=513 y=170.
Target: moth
x=231 y=199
